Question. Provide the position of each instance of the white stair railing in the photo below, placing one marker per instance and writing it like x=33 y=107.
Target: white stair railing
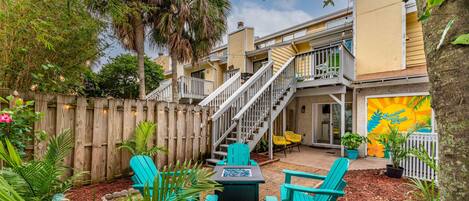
x=162 y=93
x=258 y=111
x=222 y=93
x=222 y=123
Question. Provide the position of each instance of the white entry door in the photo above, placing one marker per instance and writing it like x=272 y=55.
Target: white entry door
x=326 y=124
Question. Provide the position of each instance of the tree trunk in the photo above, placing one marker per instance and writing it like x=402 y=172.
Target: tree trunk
x=448 y=71
x=140 y=48
x=174 y=80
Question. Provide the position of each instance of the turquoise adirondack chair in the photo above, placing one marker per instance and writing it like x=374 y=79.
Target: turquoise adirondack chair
x=331 y=188
x=145 y=172
x=238 y=154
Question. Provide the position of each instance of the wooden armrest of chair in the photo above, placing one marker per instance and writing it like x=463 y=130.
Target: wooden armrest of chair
x=313 y=190
x=290 y=173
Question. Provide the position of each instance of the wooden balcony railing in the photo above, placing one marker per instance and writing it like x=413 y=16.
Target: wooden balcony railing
x=333 y=62
x=194 y=88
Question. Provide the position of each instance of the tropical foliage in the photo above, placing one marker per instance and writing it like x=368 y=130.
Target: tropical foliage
x=394 y=141
x=16 y=122
x=426 y=190
x=119 y=78
x=189 y=29
x=353 y=140
x=138 y=145
x=37 y=179
x=46 y=45
x=181 y=182
x=129 y=20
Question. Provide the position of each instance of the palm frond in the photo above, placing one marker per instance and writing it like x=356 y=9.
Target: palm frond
x=183 y=181
x=138 y=144
x=59 y=147
x=9 y=154
x=40 y=179
x=7 y=192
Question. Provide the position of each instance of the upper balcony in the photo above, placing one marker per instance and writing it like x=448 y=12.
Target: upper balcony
x=325 y=66
x=190 y=88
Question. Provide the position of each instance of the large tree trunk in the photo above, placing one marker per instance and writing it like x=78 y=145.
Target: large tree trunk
x=140 y=48
x=174 y=80
x=448 y=70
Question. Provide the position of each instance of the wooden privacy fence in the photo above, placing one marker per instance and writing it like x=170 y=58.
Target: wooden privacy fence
x=415 y=168
x=100 y=125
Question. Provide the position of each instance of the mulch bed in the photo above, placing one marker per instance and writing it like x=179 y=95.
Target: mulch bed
x=361 y=185
x=374 y=185
x=96 y=191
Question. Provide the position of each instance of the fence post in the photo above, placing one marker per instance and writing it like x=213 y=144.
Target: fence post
x=162 y=130
x=97 y=158
x=80 y=133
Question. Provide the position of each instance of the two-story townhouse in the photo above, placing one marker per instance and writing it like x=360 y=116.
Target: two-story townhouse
x=357 y=69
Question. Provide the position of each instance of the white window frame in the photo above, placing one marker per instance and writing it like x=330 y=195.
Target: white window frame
x=299 y=34
x=288 y=37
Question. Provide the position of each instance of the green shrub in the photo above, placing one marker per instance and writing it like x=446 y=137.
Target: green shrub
x=353 y=140
x=19 y=129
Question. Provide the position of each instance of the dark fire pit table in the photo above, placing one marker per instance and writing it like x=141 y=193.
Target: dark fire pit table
x=240 y=183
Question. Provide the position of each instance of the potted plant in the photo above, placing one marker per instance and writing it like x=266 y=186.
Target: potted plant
x=394 y=141
x=352 y=141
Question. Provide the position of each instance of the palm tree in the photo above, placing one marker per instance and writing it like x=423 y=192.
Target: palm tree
x=129 y=19
x=189 y=29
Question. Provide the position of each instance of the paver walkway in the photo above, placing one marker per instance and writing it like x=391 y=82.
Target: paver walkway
x=274 y=177
x=322 y=158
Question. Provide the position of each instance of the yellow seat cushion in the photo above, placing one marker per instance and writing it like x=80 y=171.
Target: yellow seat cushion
x=293 y=137
x=280 y=140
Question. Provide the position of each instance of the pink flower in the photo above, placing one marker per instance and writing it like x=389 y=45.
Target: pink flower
x=5 y=118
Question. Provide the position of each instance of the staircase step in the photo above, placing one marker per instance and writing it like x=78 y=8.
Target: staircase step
x=231 y=139
x=220 y=153
x=224 y=145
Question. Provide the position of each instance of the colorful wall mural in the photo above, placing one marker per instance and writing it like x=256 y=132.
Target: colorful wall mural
x=403 y=111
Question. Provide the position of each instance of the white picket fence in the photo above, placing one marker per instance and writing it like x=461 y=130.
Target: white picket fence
x=413 y=167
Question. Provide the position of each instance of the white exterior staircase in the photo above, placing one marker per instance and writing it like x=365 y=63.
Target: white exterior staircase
x=247 y=114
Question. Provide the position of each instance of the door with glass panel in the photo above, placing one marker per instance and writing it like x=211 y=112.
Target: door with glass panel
x=326 y=129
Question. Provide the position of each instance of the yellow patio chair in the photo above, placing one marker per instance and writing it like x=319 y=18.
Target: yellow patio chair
x=281 y=141
x=294 y=138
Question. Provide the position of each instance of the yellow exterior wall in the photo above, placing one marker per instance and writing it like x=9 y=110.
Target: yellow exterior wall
x=415 y=54
x=279 y=55
x=315 y=28
x=238 y=43
x=303 y=47
x=164 y=62
x=378 y=42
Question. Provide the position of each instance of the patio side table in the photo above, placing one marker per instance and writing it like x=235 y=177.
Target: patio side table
x=240 y=183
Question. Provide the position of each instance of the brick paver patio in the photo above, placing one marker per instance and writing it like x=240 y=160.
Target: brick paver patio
x=274 y=177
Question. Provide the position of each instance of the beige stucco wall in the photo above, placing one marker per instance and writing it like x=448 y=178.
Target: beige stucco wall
x=378 y=42
x=238 y=43
x=362 y=94
x=304 y=121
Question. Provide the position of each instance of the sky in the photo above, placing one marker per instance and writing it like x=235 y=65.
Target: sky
x=266 y=16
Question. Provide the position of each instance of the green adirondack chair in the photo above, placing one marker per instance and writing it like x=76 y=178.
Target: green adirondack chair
x=238 y=154
x=144 y=174
x=331 y=188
